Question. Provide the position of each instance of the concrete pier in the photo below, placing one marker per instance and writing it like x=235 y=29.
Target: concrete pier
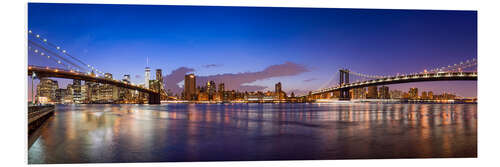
x=37 y=116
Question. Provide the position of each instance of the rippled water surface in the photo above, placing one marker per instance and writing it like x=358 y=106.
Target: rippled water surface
x=207 y=132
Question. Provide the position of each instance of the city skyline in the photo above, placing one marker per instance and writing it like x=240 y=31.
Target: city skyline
x=303 y=57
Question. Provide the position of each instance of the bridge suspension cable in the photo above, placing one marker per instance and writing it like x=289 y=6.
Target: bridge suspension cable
x=458 y=66
x=332 y=79
x=47 y=51
x=366 y=75
x=63 y=51
x=38 y=52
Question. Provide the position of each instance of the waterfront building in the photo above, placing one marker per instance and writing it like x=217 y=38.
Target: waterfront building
x=413 y=93
x=396 y=94
x=424 y=96
x=406 y=95
x=84 y=94
x=430 y=95
x=445 y=96
x=221 y=87
x=108 y=93
x=190 y=87
x=211 y=90
x=77 y=91
x=60 y=94
x=69 y=94
x=92 y=92
x=222 y=92
x=46 y=89
x=372 y=92
x=203 y=96
x=279 y=94
x=359 y=93
x=147 y=73
x=159 y=78
x=383 y=92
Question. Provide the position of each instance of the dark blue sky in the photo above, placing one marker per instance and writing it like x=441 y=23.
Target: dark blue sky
x=231 y=40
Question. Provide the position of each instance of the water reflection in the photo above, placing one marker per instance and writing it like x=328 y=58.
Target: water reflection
x=204 y=132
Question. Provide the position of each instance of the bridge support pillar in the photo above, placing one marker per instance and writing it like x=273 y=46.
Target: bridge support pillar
x=344 y=79
x=154 y=98
x=344 y=94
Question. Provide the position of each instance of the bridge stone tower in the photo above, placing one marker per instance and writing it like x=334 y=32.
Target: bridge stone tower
x=344 y=79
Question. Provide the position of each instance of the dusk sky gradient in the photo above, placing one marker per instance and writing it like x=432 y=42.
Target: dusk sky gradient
x=305 y=46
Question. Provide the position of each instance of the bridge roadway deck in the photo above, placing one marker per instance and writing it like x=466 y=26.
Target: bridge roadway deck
x=450 y=76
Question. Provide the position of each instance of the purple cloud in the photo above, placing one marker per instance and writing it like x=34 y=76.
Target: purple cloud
x=212 y=65
x=175 y=77
x=310 y=79
x=236 y=81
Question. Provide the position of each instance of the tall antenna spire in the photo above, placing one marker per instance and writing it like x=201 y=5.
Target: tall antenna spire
x=147 y=61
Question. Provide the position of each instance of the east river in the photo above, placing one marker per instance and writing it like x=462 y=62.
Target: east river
x=224 y=132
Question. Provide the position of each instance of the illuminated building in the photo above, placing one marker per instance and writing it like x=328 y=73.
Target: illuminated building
x=359 y=93
x=159 y=78
x=203 y=96
x=77 y=91
x=92 y=91
x=223 y=96
x=413 y=93
x=278 y=92
x=211 y=88
x=190 y=87
x=445 y=96
x=84 y=94
x=396 y=94
x=221 y=87
x=372 y=92
x=424 y=95
x=430 y=95
x=406 y=95
x=108 y=93
x=60 y=94
x=46 y=89
x=383 y=92
x=277 y=88
x=147 y=73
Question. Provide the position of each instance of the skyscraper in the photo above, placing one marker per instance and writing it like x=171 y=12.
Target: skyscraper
x=60 y=94
x=383 y=92
x=46 y=89
x=159 y=76
x=372 y=92
x=77 y=90
x=221 y=87
x=277 y=88
x=211 y=89
x=221 y=92
x=147 y=73
x=190 y=87
x=413 y=93
x=279 y=94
